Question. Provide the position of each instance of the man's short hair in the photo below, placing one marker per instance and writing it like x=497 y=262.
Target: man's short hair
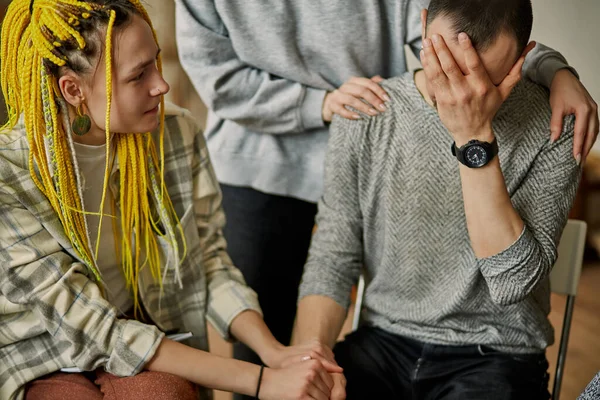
x=485 y=20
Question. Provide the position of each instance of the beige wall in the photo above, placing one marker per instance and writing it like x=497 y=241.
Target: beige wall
x=162 y=13
x=573 y=28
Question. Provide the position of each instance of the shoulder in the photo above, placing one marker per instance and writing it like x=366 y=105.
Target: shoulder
x=181 y=120
x=528 y=103
x=181 y=128
x=401 y=88
x=14 y=150
x=527 y=91
x=405 y=102
x=13 y=137
x=527 y=110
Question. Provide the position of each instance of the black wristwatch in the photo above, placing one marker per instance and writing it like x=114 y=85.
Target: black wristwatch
x=475 y=154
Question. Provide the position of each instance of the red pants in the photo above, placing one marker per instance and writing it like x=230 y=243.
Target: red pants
x=101 y=385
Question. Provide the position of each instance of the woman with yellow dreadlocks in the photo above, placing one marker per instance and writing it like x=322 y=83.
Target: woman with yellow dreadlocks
x=110 y=225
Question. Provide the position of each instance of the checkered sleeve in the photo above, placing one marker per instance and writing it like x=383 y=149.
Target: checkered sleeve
x=36 y=272
x=228 y=294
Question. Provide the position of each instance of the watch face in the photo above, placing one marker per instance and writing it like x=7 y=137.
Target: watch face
x=476 y=156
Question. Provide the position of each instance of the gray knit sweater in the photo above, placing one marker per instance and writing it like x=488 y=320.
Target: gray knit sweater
x=393 y=204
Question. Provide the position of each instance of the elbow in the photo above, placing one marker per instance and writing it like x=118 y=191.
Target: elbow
x=512 y=275
x=505 y=297
x=516 y=284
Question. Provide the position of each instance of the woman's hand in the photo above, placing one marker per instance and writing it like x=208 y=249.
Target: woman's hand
x=569 y=96
x=299 y=381
x=362 y=94
x=284 y=356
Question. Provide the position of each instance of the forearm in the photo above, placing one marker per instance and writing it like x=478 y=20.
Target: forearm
x=250 y=329
x=235 y=90
x=205 y=369
x=492 y=222
x=542 y=64
x=320 y=318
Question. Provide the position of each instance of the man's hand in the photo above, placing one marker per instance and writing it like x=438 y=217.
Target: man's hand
x=569 y=96
x=338 y=392
x=284 y=356
x=362 y=94
x=467 y=103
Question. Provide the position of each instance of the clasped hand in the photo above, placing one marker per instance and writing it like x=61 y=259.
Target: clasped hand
x=305 y=371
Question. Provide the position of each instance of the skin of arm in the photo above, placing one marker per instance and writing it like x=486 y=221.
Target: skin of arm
x=318 y=318
x=205 y=369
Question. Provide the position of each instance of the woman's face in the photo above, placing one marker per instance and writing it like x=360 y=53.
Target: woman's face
x=137 y=85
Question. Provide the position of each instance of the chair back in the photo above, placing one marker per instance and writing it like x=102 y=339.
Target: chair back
x=564 y=277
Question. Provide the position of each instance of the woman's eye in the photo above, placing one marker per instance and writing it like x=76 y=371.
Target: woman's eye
x=137 y=78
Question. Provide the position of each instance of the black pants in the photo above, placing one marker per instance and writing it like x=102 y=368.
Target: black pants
x=268 y=238
x=380 y=365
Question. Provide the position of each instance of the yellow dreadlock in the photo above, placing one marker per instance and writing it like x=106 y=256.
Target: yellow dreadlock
x=34 y=33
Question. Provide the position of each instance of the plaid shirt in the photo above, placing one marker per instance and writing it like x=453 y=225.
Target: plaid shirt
x=53 y=315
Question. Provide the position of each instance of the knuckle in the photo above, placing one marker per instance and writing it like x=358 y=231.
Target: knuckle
x=305 y=386
x=463 y=97
x=364 y=91
x=451 y=69
x=585 y=109
x=375 y=88
x=338 y=395
x=482 y=90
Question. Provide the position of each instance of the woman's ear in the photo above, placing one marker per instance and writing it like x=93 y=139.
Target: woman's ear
x=423 y=23
x=70 y=86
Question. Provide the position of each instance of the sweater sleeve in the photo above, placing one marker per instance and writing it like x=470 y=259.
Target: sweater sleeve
x=228 y=294
x=233 y=89
x=542 y=63
x=336 y=251
x=543 y=201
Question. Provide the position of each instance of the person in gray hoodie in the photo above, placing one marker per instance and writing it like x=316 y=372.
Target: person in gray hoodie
x=272 y=74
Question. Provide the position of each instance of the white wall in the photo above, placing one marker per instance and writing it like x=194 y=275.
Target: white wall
x=573 y=28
